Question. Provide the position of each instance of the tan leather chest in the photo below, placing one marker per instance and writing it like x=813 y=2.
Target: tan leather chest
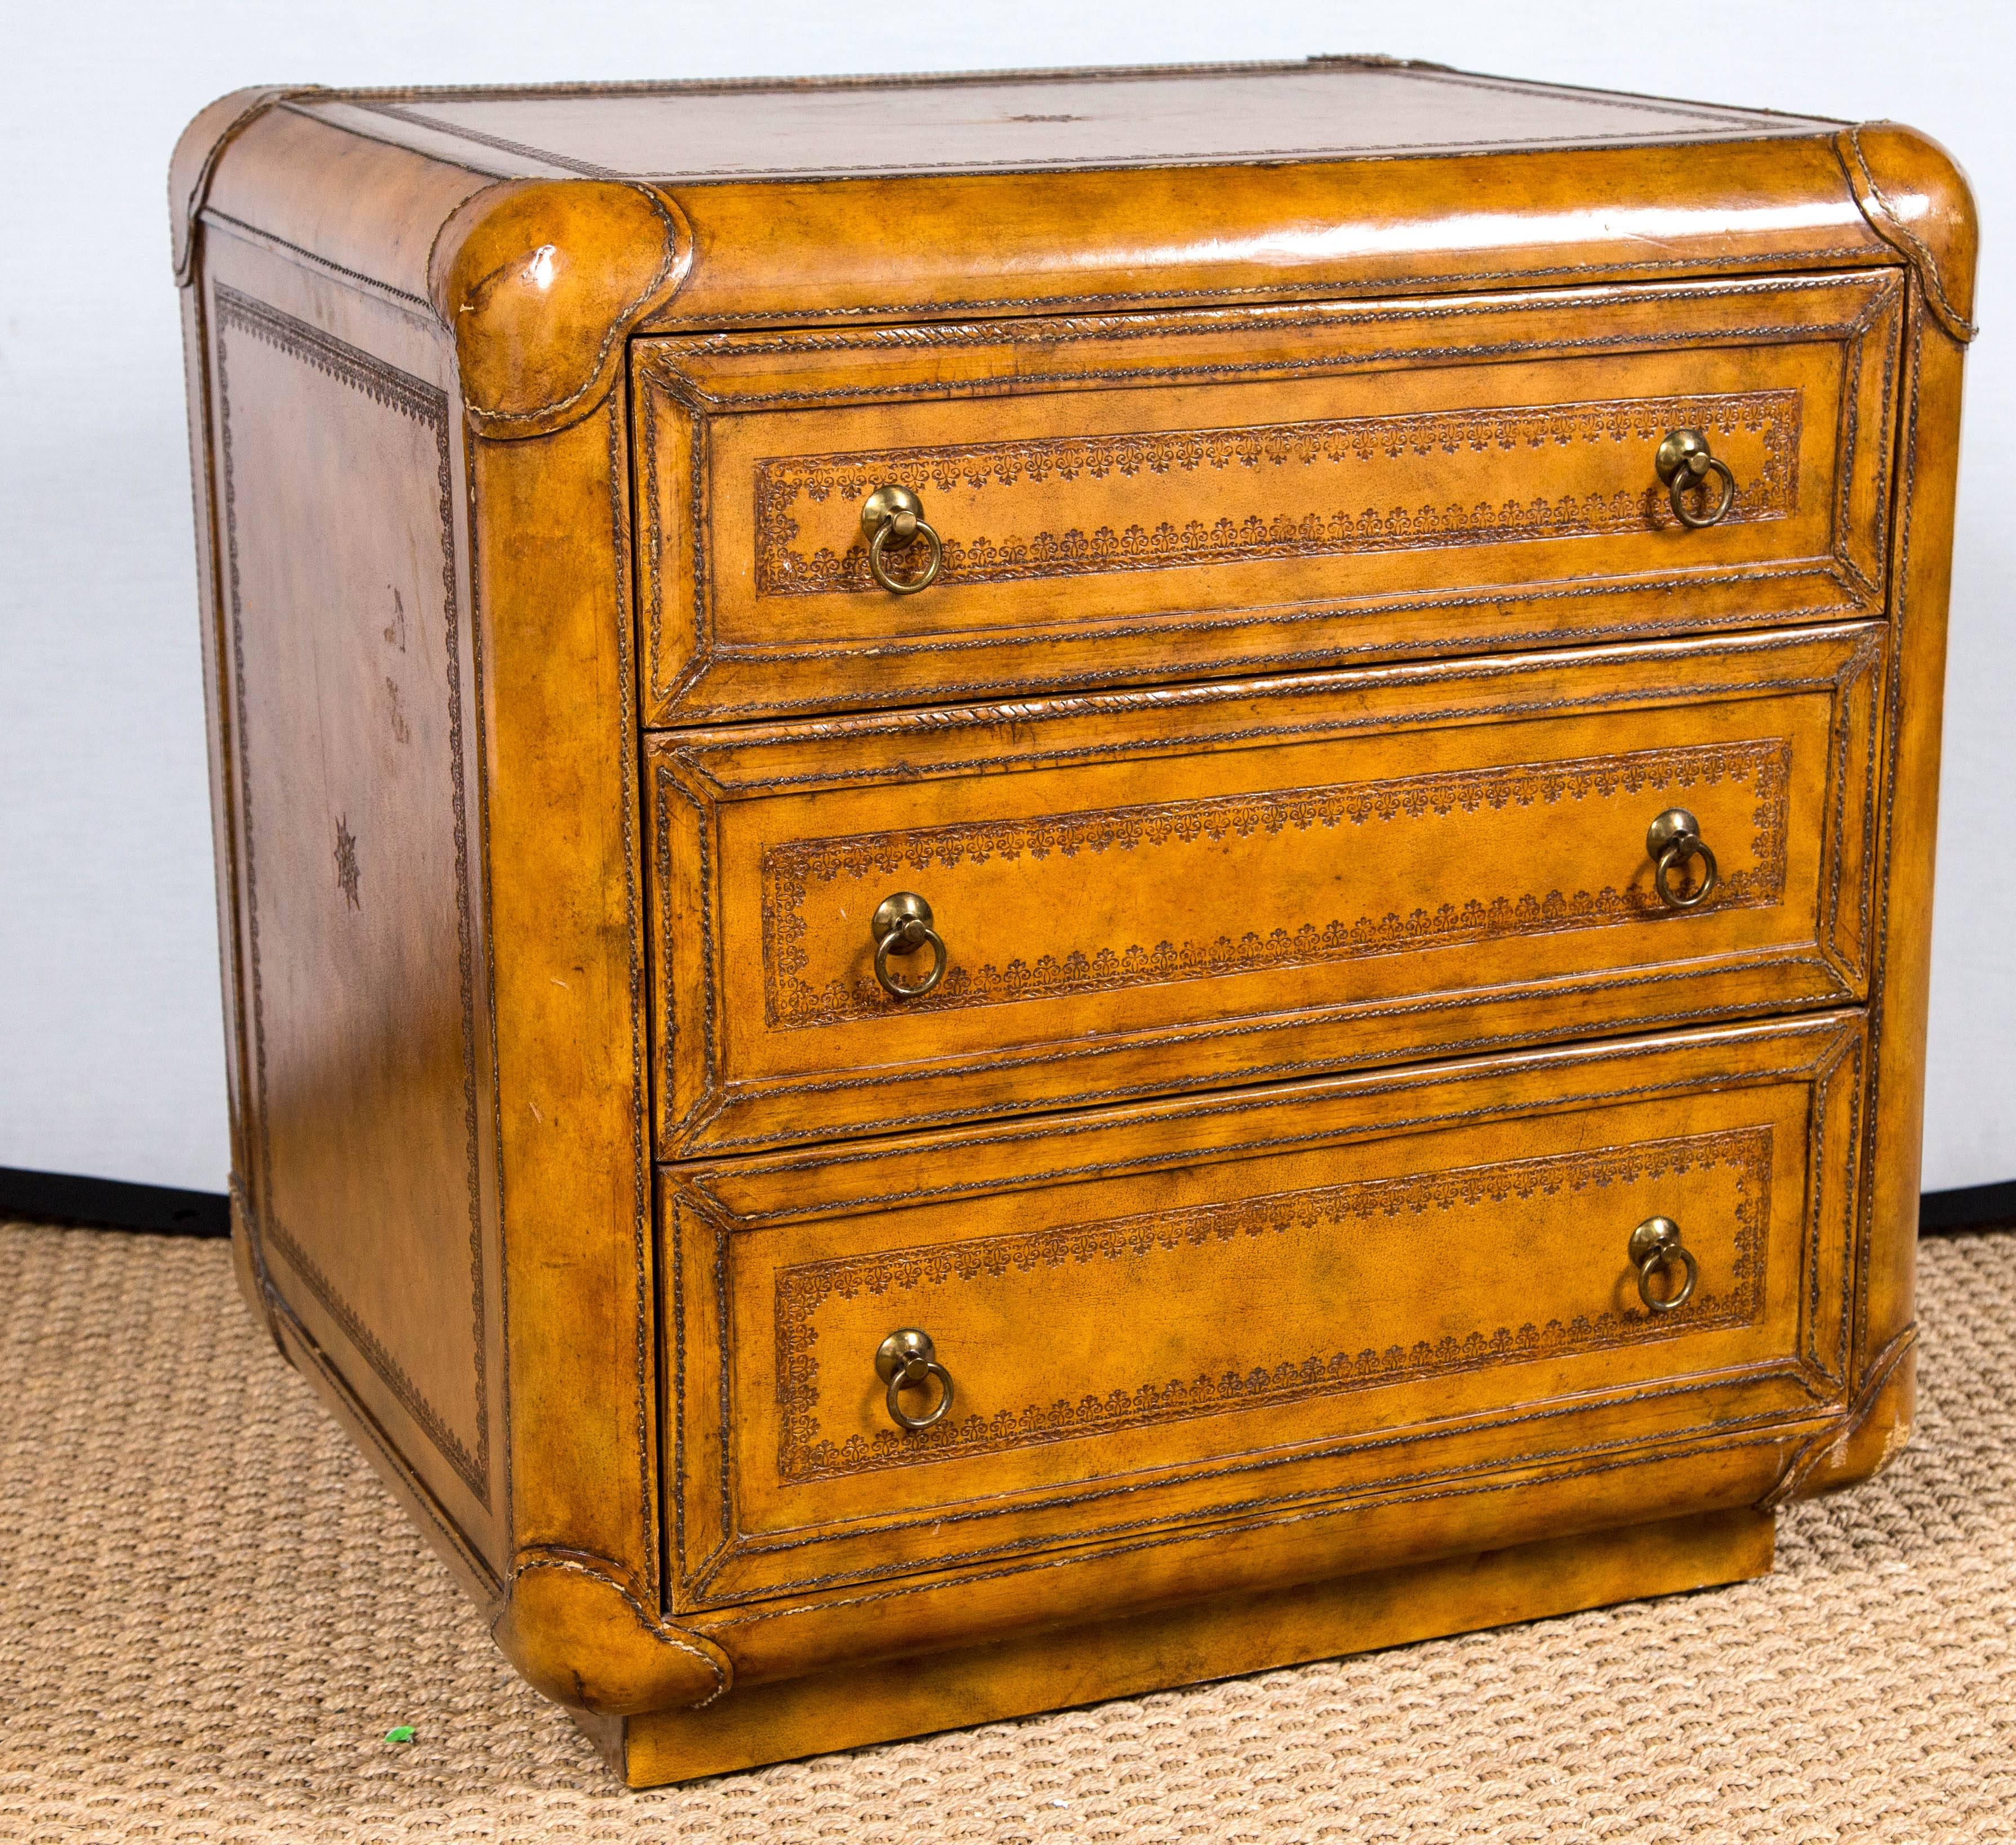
x=1175 y=922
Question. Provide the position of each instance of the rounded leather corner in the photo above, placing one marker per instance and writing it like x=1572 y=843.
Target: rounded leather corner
x=193 y=164
x=539 y=281
x=1878 y=1426
x=1917 y=199
x=579 y=1636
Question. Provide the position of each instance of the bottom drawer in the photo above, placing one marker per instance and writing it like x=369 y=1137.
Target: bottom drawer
x=1414 y=1282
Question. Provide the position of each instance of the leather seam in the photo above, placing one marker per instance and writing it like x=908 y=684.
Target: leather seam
x=654 y=1629
x=1286 y=292
x=1827 y=1026
x=1664 y=1456
x=1888 y=224
x=1806 y=1462
x=1365 y=1496
x=598 y=380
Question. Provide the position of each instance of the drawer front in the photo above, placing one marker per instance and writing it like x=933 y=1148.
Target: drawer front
x=1145 y=498
x=1152 y=892
x=1350 y=1291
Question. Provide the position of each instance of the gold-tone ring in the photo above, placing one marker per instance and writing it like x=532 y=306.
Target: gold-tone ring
x=1684 y=460
x=906 y=1358
x=1677 y=494
x=1656 y=1260
x=898 y=585
x=1652 y=1245
x=1670 y=841
x=1671 y=858
x=902 y=924
x=898 y=941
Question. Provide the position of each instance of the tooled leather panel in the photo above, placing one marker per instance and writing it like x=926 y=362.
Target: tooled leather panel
x=790 y=872
x=1139 y=1240
x=1319 y=458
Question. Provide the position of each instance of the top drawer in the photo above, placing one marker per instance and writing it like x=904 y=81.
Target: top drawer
x=1135 y=498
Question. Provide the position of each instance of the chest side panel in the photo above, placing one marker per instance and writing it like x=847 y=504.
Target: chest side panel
x=350 y=677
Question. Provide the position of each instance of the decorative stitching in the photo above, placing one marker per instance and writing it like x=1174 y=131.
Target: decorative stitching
x=509 y=1502
x=1894 y=227
x=252 y=234
x=1287 y=293
x=617 y=329
x=716 y=1146
x=640 y=1158
x=1257 y=369
x=185 y=219
x=791 y=869
x=1665 y=1456
x=1772 y=493
x=692 y=751
x=1805 y=1462
x=696 y=746
x=406 y=147
x=1059 y=1130
x=1365 y=1495
x=1250 y=1462
x=669 y=910
x=657 y=358
x=1322 y=64
x=799 y=1291
x=1335 y=656
x=658 y=367
x=1763 y=124
x=708 y=1655
x=587 y=169
x=1893 y=731
x=420 y=1498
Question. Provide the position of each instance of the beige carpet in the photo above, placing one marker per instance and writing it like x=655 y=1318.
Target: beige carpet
x=210 y=1614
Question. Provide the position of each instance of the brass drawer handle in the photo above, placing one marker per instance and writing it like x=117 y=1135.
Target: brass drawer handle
x=1655 y=1245
x=893 y=515
x=902 y=924
x=1684 y=462
x=1672 y=840
x=905 y=1358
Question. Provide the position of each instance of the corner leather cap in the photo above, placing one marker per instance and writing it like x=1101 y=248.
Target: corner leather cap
x=1918 y=201
x=579 y=1636
x=193 y=164
x=539 y=281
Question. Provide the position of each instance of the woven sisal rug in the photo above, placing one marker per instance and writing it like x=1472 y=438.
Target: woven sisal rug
x=210 y=1614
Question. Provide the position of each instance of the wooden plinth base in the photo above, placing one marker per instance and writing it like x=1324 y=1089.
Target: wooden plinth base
x=1056 y=1668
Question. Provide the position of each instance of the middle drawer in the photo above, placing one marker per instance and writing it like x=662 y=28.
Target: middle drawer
x=1157 y=892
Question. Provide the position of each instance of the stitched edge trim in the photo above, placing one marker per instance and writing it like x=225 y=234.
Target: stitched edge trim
x=697 y=1646
x=1888 y=224
x=1806 y=1462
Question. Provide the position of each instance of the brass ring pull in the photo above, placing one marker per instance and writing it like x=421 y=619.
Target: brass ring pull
x=906 y=1359
x=893 y=515
x=1684 y=462
x=902 y=924
x=1671 y=841
x=1655 y=1245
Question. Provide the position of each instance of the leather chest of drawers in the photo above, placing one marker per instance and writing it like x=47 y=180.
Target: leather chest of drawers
x=1037 y=886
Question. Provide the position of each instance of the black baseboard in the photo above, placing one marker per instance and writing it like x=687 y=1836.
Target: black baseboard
x=1967 y=1207
x=112 y=1204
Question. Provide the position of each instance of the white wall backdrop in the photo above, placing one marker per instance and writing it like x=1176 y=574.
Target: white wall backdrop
x=111 y=1059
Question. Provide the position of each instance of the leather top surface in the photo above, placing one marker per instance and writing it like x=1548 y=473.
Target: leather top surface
x=1325 y=109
